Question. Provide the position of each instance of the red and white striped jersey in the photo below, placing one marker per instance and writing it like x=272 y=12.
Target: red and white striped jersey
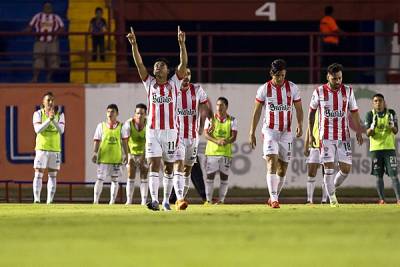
x=46 y=23
x=161 y=102
x=333 y=107
x=188 y=110
x=278 y=102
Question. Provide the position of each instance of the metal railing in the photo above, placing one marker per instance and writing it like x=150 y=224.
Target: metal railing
x=203 y=52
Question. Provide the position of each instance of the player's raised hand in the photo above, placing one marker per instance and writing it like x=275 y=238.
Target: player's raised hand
x=181 y=36
x=131 y=37
x=252 y=141
x=51 y=114
x=360 y=140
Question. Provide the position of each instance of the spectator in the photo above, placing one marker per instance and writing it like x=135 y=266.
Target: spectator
x=97 y=27
x=330 y=38
x=46 y=47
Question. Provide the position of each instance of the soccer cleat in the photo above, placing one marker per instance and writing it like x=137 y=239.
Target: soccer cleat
x=381 y=202
x=334 y=204
x=153 y=205
x=269 y=202
x=219 y=203
x=207 y=203
x=323 y=202
x=309 y=202
x=181 y=204
x=166 y=206
x=275 y=205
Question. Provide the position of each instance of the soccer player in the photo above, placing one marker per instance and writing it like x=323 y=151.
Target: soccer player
x=109 y=139
x=381 y=124
x=278 y=95
x=49 y=124
x=219 y=149
x=311 y=151
x=136 y=159
x=333 y=101
x=162 y=126
x=192 y=99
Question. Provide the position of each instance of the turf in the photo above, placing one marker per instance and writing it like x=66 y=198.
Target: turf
x=228 y=235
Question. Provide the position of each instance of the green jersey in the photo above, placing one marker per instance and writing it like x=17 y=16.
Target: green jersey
x=383 y=138
x=50 y=138
x=110 y=150
x=221 y=130
x=137 y=139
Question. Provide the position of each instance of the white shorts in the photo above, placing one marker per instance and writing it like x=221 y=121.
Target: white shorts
x=187 y=151
x=108 y=170
x=161 y=143
x=47 y=159
x=218 y=163
x=277 y=143
x=314 y=156
x=137 y=161
x=339 y=150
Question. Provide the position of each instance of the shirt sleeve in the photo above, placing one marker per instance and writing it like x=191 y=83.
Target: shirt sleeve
x=391 y=111
x=33 y=20
x=352 y=102
x=60 y=125
x=98 y=134
x=175 y=79
x=314 y=103
x=125 y=132
x=261 y=94
x=148 y=81
x=332 y=24
x=295 y=92
x=206 y=124
x=368 y=119
x=203 y=98
x=234 y=125
x=59 y=21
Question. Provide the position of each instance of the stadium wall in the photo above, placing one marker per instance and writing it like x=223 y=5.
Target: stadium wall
x=85 y=107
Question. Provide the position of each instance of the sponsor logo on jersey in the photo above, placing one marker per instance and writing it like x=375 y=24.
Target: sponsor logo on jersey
x=186 y=112
x=158 y=99
x=280 y=107
x=334 y=113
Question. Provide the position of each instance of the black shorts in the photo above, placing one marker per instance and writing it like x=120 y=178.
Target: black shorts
x=384 y=161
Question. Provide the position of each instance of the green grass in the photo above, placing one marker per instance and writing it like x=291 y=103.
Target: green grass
x=229 y=235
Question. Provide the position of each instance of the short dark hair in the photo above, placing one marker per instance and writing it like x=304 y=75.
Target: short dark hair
x=223 y=99
x=48 y=93
x=334 y=68
x=378 y=95
x=141 y=105
x=98 y=9
x=277 y=65
x=113 y=106
x=328 y=10
x=162 y=59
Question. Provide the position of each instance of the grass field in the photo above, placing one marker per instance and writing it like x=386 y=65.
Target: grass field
x=228 y=235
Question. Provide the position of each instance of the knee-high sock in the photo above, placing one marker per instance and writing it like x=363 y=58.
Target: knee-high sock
x=154 y=184
x=324 y=193
x=130 y=188
x=144 y=189
x=310 y=188
x=51 y=186
x=396 y=187
x=186 y=180
x=168 y=184
x=98 y=187
x=339 y=178
x=37 y=186
x=281 y=183
x=272 y=183
x=209 y=189
x=179 y=185
x=380 y=187
x=330 y=187
x=223 y=189
x=113 y=190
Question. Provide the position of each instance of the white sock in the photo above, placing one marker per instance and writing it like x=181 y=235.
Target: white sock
x=98 y=187
x=113 y=190
x=324 y=193
x=187 y=185
x=154 y=184
x=144 y=189
x=37 y=186
x=51 y=186
x=281 y=183
x=330 y=187
x=209 y=189
x=168 y=184
x=310 y=188
x=272 y=183
x=130 y=188
x=223 y=189
x=179 y=185
x=339 y=178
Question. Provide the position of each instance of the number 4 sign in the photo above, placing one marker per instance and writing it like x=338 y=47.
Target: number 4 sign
x=268 y=10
